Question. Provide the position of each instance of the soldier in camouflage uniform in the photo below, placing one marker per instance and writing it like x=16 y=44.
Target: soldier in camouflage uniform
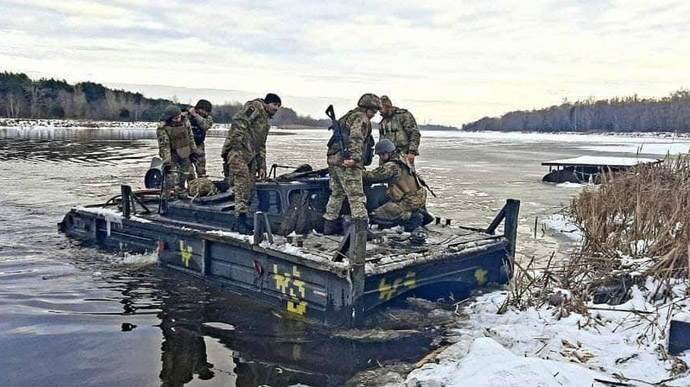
x=346 y=173
x=201 y=121
x=399 y=126
x=176 y=148
x=405 y=190
x=244 y=151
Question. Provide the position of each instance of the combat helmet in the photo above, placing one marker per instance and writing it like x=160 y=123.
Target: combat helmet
x=369 y=101
x=204 y=104
x=386 y=101
x=170 y=112
x=384 y=146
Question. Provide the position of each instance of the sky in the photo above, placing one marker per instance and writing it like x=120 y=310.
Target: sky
x=448 y=62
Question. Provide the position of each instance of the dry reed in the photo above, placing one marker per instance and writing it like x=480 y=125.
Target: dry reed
x=635 y=225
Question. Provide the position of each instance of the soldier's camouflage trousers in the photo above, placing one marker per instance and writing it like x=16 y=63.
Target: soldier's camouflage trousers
x=201 y=162
x=401 y=211
x=243 y=175
x=181 y=172
x=346 y=183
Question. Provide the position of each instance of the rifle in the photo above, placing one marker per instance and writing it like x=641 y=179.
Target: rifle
x=421 y=180
x=337 y=132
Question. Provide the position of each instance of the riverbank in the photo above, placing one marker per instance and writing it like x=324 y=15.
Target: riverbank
x=599 y=318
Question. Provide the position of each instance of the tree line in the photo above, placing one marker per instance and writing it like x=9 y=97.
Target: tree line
x=22 y=97
x=627 y=114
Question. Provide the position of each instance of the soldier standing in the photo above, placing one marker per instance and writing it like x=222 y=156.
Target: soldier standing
x=176 y=148
x=404 y=188
x=244 y=151
x=345 y=168
x=201 y=121
x=399 y=126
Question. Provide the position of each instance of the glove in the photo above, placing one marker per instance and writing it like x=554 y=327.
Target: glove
x=193 y=158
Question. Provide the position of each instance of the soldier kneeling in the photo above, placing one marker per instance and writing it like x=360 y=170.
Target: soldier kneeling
x=408 y=197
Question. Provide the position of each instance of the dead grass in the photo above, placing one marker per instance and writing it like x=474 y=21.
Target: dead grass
x=635 y=225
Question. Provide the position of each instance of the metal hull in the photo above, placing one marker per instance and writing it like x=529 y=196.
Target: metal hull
x=304 y=288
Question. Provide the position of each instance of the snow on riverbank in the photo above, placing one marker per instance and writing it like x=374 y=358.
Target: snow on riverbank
x=619 y=344
x=535 y=348
x=562 y=226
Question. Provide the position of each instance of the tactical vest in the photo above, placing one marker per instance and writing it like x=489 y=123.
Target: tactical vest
x=405 y=185
x=392 y=129
x=199 y=134
x=179 y=140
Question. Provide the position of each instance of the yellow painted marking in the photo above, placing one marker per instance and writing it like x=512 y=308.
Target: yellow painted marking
x=299 y=307
x=387 y=291
x=480 y=276
x=410 y=280
x=291 y=285
x=186 y=253
x=300 y=287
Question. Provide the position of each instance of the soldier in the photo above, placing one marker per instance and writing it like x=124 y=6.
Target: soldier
x=346 y=172
x=404 y=188
x=201 y=121
x=244 y=151
x=176 y=148
x=399 y=126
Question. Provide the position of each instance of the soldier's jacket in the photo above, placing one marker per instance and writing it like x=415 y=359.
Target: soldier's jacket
x=175 y=141
x=356 y=129
x=247 y=135
x=396 y=172
x=200 y=126
x=401 y=128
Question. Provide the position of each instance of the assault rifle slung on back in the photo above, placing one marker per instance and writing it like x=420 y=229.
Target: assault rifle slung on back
x=337 y=133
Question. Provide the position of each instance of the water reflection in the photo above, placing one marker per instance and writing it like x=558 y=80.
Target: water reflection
x=253 y=345
x=101 y=151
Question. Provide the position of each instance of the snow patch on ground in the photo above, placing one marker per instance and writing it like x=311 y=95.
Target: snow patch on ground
x=488 y=363
x=535 y=348
x=562 y=225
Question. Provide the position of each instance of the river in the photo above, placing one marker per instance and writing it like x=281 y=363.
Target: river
x=71 y=315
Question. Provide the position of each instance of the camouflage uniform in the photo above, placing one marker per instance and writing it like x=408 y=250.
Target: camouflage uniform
x=401 y=128
x=175 y=146
x=245 y=149
x=200 y=126
x=347 y=182
x=406 y=194
x=202 y=187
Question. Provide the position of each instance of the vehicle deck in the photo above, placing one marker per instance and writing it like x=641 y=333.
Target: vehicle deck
x=335 y=280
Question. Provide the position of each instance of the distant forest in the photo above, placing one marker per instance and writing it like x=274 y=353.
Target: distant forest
x=22 y=97
x=628 y=114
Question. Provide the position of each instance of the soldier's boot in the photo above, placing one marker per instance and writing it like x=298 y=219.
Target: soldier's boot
x=416 y=220
x=333 y=227
x=241 y=226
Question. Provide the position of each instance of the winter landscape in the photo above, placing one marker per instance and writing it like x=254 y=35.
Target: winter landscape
x=538 y=339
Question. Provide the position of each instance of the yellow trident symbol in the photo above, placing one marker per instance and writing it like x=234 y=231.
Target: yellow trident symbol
x=186 y=253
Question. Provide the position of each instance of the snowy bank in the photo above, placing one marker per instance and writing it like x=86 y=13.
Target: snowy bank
x=535 y=348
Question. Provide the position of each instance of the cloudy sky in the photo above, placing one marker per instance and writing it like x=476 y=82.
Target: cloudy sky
x=449 y=62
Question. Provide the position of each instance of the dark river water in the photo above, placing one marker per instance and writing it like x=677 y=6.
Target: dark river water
x=72 y=315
